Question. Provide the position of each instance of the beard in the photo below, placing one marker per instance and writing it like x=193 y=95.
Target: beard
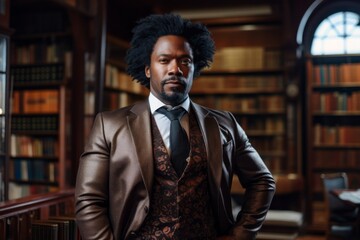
x=176 y=94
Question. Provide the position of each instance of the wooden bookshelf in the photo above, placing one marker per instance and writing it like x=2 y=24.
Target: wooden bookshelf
x=333 y=125
x=41 y=57
x=119 y=90
x=38 y=155
x=248 y=78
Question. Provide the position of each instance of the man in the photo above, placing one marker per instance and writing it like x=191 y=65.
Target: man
x=136 y=182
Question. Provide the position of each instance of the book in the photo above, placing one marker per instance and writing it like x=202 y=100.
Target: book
x=73 y=231
x=41 y=230
x=40 y=101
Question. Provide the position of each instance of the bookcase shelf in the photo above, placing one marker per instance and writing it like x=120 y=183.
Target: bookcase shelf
x=41 y=70
x=241 y=81
x=333 y=123
x=34 y=182
x=38 y=139
x=119 y=90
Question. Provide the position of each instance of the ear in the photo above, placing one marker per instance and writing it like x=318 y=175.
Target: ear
x=147 y=71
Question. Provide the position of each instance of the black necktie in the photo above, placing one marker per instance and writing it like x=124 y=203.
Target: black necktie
x=179 y=143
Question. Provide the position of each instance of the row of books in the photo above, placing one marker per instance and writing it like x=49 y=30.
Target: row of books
x=243 y=104
x=336 y=101
x=17 y=190
x=114 y=100
x=34 y=123
x=336 y=159
x=336 y=134
x=46 y=73
x=29 y=146
x=270 y=125
x=274 y=163
x=40 y=53
x=55 y=228
x=330 y=74
x=217 y=83
x=36 y=101
x=33 y=170
x=272 y=144
x=118 y=79
x=89 y=102
x=244 y=58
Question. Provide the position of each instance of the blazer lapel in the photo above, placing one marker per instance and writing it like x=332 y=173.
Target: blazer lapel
x=211 y=133
x=140 y=128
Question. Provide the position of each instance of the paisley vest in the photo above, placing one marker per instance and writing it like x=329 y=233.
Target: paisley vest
x=179 y=207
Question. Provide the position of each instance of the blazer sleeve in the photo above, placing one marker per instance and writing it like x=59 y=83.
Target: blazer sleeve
x=259 y=186
x=91 y=190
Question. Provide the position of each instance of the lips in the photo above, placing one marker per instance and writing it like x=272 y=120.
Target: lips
x=175 y=81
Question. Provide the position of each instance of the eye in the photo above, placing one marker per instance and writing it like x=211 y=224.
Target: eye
x=186 y=61
x=163 y=60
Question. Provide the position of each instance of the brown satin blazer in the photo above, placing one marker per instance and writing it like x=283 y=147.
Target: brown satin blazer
x=115 y=174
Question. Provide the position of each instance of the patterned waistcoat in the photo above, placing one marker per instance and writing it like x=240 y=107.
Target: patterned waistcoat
x=179 y=207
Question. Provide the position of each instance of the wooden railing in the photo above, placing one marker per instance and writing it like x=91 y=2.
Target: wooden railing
x=16 y=216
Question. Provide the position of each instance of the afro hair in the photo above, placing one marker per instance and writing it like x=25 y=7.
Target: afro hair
x=149 y=29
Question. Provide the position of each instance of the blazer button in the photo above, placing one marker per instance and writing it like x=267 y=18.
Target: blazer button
x=146 y=209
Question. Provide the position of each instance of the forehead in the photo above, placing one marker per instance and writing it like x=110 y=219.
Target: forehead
x=171 y=44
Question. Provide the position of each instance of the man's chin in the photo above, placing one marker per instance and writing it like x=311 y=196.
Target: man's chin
x=174 y=97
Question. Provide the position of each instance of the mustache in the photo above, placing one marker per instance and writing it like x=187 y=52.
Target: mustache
x=181 y=80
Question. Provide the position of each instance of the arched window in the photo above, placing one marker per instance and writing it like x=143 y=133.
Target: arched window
x=338 y=33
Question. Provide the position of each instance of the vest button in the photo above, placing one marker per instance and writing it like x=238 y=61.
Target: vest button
x=146 y=209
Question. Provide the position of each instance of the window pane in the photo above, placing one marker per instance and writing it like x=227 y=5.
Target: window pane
x=353 y=45
x=336 y=18
x=333 y=46
x=322 y=29
x=337 y=34
x=316 y=47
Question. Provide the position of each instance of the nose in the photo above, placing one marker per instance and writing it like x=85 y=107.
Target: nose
x=174 y=68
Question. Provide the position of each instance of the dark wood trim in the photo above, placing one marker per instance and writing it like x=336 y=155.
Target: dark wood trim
x=25 y=204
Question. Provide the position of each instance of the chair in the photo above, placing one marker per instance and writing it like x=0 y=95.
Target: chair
x=342 y=218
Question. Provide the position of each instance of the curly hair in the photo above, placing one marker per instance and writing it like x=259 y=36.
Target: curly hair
x=149 y=29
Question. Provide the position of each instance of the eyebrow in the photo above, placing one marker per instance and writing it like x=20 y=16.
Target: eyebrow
x=170 y=55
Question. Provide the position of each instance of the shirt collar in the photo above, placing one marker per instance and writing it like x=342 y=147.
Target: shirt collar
x=155 y=103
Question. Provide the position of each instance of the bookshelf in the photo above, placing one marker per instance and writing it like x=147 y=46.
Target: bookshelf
x=39 y=135
x=119 y=89
x=246 y=85
x=333 y=124
x=249 y=77
x=41 y=72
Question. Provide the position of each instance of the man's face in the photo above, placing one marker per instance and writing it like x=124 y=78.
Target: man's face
x=171 y=69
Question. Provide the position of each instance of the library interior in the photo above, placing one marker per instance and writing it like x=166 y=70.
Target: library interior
x=288 y=71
